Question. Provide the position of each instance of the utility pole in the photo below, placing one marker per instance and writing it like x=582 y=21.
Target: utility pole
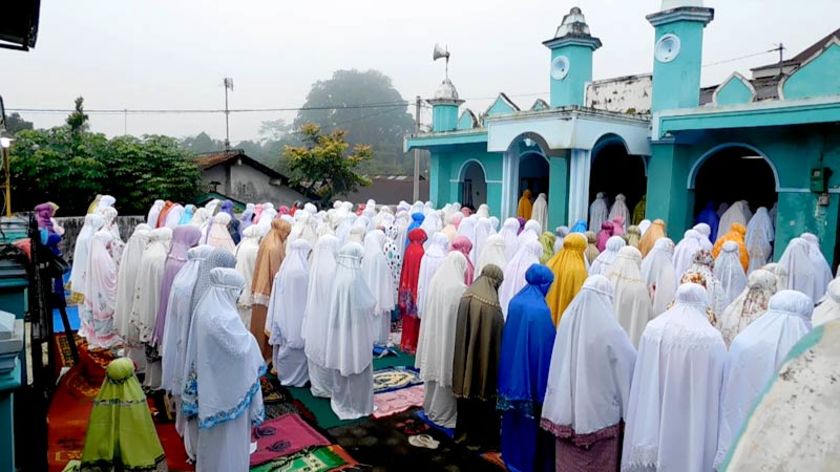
x=228 y=85
x=416 y=150
x=125 y=121
x=781 y=49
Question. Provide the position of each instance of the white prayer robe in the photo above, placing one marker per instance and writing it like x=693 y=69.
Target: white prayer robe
x=514 y=272
x=730 y=272
x=685 y=250
x=602 y=263
x=286 y=309
x=599 y=212
x=822 y=271
x=246 y=261
x=631 y=299
x=759 y=240
x=801 y=275
x=315 y=322
x=829 y=307
x=436 y=344
x=509 y=231
x=380 y=281
x=348 y=337
x=619 y=210
x=493 y=253
x=755 y=356
x=658 y=273
x=432 y=259
x=539 y=211
x=127 y=279
x=672 y=418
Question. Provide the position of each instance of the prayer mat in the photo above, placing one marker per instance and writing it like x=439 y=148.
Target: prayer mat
x=395 y=378
x=383 y=444
x=64 y=357
x=272 y=391
x=397 y=401
x=450 y=432
x=319 y=459
x=284 y=436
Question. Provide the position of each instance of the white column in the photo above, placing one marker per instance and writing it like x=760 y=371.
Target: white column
x=579 y=168
x=510 y=184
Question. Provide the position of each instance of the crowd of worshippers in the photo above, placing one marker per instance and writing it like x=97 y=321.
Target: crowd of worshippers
x=566 y=350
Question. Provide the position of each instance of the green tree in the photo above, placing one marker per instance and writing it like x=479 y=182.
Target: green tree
x=202 y=142
x=382 y=123
x=78 y=120
x=321 y=166
x=15 y=123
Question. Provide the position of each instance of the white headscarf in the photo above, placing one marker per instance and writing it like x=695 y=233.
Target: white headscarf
x=822 y=271
x=530 y=232
x=483 y=230
x=93 y=223
x=510 y=228
x=484 y=211
x=127 y=276
x=200 y=217
x=431 y=223
x=539 y=211
x=178 y=317
x=493 y=253
x=514 y=272
x=591 y=365
x=350 y=318
x=432 y=259
x=173 y=217
x=287 y=305
x=101 y=291
x=598 y=212
x=246 y=261
x=730 y=272
x=643 y=226
x=377 y=274
x=218 y=234
x=467 y=228
x=319 y=290
x=680 y=363
x=801 y=275
x=619 y=210
x=739 y=212
x=780 y=272
x=436 y=344
x=658 y=273
x=705 y=233
x=149 y=279
x=224 y=360
x=631 y=298
x=749 y=305
x=154 y=213
x=759 y=240
x=685 y=250
x=829 y=307
x=755 y=356
x=602 y=263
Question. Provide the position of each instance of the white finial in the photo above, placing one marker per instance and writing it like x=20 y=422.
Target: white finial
x=573 y=24
x=671 y=4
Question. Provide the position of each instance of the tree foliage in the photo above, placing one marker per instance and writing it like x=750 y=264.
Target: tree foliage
x=78 y=120
x=70 y=168
x=383 y=126
x=15 y=123
x=321 y=166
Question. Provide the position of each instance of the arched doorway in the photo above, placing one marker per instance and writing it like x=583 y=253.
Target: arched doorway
x=613 y=171
x=533 y=174
x=473 y=185
x=731 y=173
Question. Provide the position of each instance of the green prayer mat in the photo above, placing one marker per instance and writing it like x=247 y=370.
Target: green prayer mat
x=320 y=459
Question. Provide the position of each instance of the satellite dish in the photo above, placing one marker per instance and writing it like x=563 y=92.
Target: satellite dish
x=439 y=53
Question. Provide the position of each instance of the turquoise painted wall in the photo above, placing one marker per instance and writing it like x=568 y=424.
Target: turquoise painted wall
x=558 y=197
x=446 y=166
x=676 y=84
x=734 y=92
x=444 y=117
x=570 y=90
x=820 y=77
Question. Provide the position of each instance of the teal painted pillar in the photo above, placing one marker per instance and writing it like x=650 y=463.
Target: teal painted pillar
x=438 y=180
x=678 y=54
x=571 y=60
x=799 y=213
x=668 y=197
x=558 y=194
x=494 y=198
x=8 y=384
x=445 y=106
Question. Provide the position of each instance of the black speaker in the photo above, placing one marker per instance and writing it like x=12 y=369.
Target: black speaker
x=19 y=24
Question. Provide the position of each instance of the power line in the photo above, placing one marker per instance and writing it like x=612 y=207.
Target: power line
x=746 y=56
x=211 y=110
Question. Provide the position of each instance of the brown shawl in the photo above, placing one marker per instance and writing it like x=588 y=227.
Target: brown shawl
x=478 y=338
x=269 y=257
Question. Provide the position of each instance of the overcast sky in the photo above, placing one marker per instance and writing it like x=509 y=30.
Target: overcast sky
x=173 y=54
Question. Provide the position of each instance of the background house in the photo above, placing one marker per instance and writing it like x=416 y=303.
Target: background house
x=232 y=174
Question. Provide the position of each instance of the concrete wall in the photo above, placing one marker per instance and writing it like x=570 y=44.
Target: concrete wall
x=630 y=94
x=446 y=168
x=73 y=224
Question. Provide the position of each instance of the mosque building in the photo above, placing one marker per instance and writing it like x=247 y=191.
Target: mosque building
x=772 y=140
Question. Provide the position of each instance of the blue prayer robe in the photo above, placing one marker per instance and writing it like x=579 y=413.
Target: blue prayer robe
x=416 y=221
x=579 y=227
x=710 y=217
x=527 y=342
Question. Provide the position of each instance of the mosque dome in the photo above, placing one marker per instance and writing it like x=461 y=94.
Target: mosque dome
x=573 y=24
x=446 y=91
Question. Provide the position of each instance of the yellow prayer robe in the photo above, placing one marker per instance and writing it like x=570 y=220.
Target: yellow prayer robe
x=525 y=205
x=737 y=233
x=569 y=270
x=655 y=232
